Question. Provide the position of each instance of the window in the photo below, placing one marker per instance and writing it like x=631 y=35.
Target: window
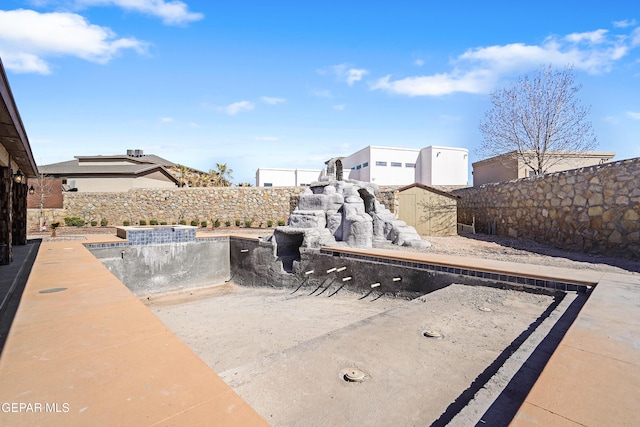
x=409 y=165
x=381 y=163
x=359 y=167
x=365 y=164
x=353 y=168
x=268 y=184
x=396 y=164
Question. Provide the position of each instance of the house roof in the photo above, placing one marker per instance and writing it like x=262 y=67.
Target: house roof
x=514 y=155
x=145 y=158
x=137 y=168
x=428 y=188
x=13 y=137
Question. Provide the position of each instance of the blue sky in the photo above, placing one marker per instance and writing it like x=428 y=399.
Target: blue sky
x=290 y=84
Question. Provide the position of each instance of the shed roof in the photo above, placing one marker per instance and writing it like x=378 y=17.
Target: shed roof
x=428 y=188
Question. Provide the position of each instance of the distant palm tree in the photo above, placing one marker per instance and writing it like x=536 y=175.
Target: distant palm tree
x=222 y=175
x=182 y=173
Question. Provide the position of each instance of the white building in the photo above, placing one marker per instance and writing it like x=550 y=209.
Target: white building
x=382 y=165
x=433 y=165
x=442 y=166
x=271 y=177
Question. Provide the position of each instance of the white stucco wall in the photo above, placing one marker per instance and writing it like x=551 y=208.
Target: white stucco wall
x=358 y=165
x=443 y=166
x=285 y=177
x=307 y=176
x=367 y=163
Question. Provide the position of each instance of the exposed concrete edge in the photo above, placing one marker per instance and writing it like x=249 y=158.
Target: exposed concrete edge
x=579 y=277
x=472 y=413
x=612 y=306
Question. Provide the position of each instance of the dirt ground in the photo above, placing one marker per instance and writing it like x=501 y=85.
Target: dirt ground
x=286 y=353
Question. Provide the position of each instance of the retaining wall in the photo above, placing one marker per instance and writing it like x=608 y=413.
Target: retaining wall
x=258 y=204
x=593 y=209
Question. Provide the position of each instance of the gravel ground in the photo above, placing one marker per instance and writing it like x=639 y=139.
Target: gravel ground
x=468 y=245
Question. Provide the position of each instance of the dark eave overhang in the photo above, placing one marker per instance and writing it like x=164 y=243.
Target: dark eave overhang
x=12 y=134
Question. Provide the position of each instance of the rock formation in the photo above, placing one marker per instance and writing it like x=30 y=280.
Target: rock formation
x=333 y=211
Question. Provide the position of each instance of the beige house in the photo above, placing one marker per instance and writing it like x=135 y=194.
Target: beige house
x=430 y=211
x=509 y=166
x=113 y=173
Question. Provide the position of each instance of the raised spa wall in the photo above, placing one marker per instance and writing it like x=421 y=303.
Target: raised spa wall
x=147 y=267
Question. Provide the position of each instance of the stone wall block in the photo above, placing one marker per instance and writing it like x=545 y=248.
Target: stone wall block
x=594 y=209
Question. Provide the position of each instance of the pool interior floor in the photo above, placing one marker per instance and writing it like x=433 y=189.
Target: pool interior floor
x=286 y=352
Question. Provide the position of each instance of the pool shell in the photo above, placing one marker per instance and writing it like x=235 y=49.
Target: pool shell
x=327 y=272
x=265 y=262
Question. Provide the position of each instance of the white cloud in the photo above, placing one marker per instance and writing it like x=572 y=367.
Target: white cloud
x=340 y=107
x=171 y=12
x=634 y=115
x=272 y=101
x=346 y=73
x=27 y=37
x=479 y=70
x=594 y=37
x=419 y=62
x=625 y=23
x=237 y=107
x=436 y=85
x=354 y=75
x=266 y=138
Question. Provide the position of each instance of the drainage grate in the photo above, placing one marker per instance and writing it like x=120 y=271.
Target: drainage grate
x=354 y=376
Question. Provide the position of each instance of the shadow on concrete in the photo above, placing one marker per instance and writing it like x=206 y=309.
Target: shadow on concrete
x=506 y=405
x=528 y=245
x=504 y=408
x=13 y=278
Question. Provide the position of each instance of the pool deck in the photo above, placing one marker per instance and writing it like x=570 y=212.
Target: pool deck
x=86 y=351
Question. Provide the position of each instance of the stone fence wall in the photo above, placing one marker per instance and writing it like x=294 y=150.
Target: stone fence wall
x=593 y=209
x=257 y=204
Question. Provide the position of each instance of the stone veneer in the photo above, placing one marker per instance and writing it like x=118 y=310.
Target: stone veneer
x=259 y=204
x=593 y=209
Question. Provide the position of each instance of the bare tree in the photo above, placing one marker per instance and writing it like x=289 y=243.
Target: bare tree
x=43 y=189
x=538 y=120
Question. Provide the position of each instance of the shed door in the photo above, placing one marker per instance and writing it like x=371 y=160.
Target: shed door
x=407 y=208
